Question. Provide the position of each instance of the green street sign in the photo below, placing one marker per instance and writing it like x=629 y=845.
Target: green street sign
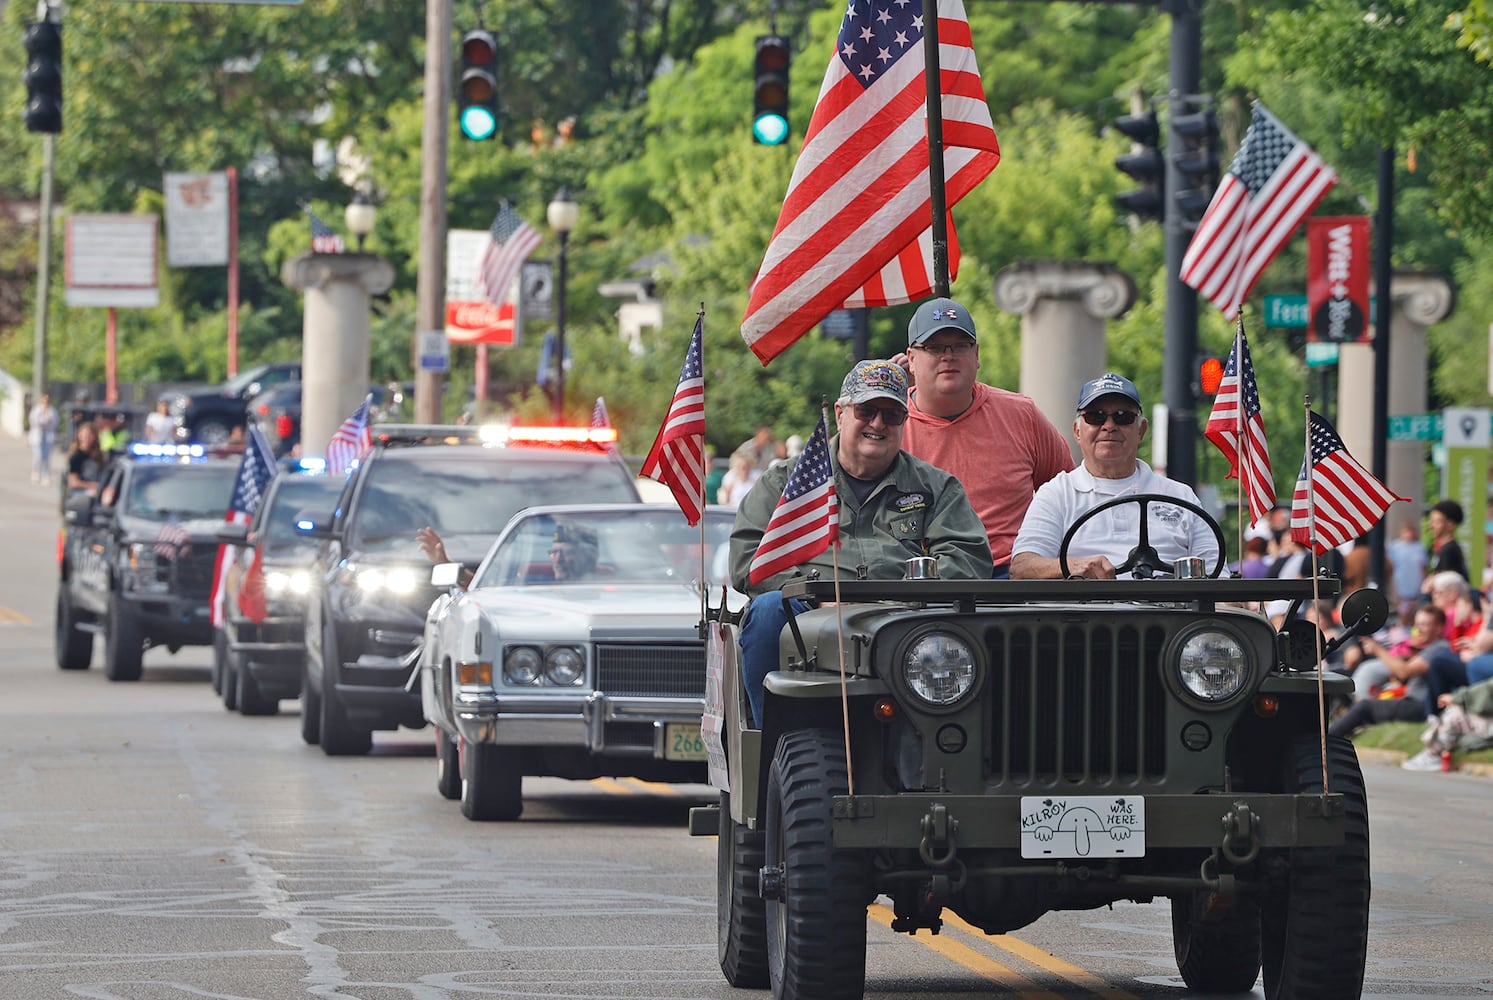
x=1415 y=427
x=1320 y=355
x=1286 y=312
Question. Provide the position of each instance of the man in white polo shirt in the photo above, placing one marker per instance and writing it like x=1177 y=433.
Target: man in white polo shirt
x=1109 y=428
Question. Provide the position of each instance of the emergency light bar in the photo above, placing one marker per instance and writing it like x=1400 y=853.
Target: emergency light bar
x=173 y=451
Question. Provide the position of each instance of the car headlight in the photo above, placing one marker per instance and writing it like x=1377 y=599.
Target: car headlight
x=394 y=580
x=1213 y=666
x=281 y=584
x=939 y=668
x=564 y=666
x=522 y=665
x=144 y=570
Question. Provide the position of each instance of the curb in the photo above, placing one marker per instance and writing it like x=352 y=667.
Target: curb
x=1393 y=758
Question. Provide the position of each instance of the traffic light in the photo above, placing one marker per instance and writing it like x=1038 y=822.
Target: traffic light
x=477 y=88
x=770 y=91
x=1210 y=375
x=1145 y=164
x=43 y=76
x=1194 y=151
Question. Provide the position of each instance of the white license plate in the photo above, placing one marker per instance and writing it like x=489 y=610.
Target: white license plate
x=682 y=741
x=1083 y=826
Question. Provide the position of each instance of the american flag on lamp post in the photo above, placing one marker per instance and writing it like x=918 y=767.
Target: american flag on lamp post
x=323 y=239
x=1336 y=499
x=677 y=458
x=1237 y=427
x=1274 y=182
x=806 y=520
x=350 y=440
x=510 y=242
x=855 y=224
x=255 y=471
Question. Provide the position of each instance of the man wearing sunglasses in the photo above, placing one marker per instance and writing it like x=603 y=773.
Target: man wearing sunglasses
x=998 y=444
x=1109 y=428
x=893 y=507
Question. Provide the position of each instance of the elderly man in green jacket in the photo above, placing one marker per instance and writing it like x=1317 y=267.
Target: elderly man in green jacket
x=893 y=507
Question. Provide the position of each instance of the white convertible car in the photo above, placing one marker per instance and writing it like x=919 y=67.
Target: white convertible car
x=575 y=651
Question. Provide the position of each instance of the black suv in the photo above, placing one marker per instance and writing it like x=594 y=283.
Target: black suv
x=257 y=657
x=1003 y=749
x=371 y=585
x=136 y=563
x=209 y=415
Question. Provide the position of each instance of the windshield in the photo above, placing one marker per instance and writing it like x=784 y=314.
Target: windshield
x=294 y=494
x=459 y=496
x=629 y=545
x=181 y=492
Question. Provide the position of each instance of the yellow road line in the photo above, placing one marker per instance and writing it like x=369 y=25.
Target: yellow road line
x=10 y=616
x=1045 y=960
x=966 y=956
x=653 y=787
x=613 y=787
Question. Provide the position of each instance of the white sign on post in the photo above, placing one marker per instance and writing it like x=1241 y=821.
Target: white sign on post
x=435 y=351
x=111 y=261
x=196 y=219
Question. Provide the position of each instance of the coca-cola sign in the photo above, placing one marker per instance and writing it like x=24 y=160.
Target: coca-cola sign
x=480 y=323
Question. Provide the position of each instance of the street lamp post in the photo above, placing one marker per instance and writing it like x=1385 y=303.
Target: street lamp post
x=563 y=213
x=359 y=216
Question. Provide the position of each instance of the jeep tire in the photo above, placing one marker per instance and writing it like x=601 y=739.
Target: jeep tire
x=74 y=647
x=1315 y=919
x=741 y=920
x=124 y=643
x=816 y=931
x=492 y=783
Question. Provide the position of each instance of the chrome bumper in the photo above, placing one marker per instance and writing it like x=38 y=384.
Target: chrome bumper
x=506 y=720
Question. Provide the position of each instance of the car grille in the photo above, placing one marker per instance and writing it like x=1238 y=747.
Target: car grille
x=194 y=571
x=1076 y=704
x=651 y=670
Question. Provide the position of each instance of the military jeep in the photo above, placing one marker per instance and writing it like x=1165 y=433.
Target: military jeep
x=1003 y=749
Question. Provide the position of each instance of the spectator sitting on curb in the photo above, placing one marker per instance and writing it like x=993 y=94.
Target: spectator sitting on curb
x=1406 y=663
x=1465 y=723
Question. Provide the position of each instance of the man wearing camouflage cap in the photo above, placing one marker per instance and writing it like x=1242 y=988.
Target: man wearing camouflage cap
x=893 y=507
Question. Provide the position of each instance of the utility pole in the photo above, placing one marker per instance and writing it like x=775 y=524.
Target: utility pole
x=1181 y=300
x=430 y=286
x=43 y=271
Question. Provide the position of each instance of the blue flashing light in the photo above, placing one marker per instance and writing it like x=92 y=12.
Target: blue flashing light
x=770 y=129
x=478 y=122
x=311 y=465
x=304 y=524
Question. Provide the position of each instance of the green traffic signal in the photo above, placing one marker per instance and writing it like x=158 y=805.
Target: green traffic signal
x=477 y=87
x=770 y=91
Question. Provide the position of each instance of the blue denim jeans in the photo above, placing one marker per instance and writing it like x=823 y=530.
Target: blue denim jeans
x=761 y=626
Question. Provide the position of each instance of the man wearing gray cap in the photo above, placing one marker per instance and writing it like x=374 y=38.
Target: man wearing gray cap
x=1109 y=428
x=998 y=444
x=893 y=507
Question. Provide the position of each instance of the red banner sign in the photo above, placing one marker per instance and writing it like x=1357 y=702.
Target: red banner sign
x=1337 y=279
x=480 y=323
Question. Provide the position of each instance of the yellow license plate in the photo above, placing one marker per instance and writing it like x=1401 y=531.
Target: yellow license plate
x=682 y=741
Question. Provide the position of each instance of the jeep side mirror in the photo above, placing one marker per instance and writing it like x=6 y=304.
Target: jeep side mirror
x=1364 y=611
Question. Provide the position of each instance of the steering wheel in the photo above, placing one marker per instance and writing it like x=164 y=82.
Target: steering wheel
x=1143 y=562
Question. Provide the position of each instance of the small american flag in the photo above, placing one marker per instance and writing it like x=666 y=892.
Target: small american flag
x=323 y=239
x=855 y=223
x=254 y=474
x=350 y=440
x=512 y=240
x=1238 y=429
x=1275 y=182
x=599 y=416
x=806 y=520
x=1336 y=499
x=677 y=458
x=172 y=540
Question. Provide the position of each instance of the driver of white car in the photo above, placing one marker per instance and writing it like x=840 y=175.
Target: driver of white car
x=1109 y=428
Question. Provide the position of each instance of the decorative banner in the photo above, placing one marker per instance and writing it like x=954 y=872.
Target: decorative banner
x=197 y=219
x=111 y=261
x=1337 y=279
x=1465 y=435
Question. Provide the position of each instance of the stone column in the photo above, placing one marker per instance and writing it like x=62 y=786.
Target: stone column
x=334 y=353
x=1063 y=305
x=1418 y=300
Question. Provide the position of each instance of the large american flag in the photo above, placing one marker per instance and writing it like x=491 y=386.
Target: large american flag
x=677 y=458
x=254 y=474
x=512 y=240
x=1336 y=498
x=806 y=520
x=323 y=239
x=1275 y=182
x=350 y=440
x=1237 y=427
x=855 y=224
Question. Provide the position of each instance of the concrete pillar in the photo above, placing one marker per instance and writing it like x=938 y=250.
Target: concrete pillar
x=334 y=353
x=1063 y=305
x=1418 y=300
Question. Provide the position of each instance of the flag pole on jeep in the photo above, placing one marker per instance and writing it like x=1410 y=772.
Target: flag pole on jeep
x=932 y=77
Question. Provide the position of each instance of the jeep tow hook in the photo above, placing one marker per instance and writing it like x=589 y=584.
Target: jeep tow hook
x=1241 y=840
x=938 y=846
x=770 y=883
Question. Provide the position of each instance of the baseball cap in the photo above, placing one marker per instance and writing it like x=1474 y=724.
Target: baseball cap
x=870 y=380
x=939 y=314
x=1108 y=384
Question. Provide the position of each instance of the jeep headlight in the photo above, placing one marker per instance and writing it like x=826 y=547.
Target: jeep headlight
x=1213 y=665
x=564 y=666
x=522 y=665
x=939 y=668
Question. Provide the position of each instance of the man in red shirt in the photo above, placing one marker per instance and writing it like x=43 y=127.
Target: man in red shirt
x=995 y=442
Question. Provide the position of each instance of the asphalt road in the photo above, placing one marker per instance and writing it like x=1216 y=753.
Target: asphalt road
x=155 y=847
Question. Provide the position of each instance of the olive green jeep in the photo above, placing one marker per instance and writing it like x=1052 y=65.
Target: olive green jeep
x=1004 y=749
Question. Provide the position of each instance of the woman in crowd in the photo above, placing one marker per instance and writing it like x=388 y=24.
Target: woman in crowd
x=85 y=463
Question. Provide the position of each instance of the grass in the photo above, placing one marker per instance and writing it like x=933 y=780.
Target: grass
x=1405 y=737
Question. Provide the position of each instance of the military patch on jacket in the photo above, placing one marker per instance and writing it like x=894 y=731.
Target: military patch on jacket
x=908 y=502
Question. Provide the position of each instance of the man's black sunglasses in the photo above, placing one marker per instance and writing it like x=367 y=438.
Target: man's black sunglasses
x=892 y=416
x=1096 y=418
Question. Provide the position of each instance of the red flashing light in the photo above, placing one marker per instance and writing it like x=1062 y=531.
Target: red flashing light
x=562 y=435
x=1210 y=376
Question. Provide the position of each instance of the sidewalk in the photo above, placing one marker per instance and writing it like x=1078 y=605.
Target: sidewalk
x=32 y=516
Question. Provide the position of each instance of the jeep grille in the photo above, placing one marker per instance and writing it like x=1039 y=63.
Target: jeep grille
x=651 y=670
x=1076 y=704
